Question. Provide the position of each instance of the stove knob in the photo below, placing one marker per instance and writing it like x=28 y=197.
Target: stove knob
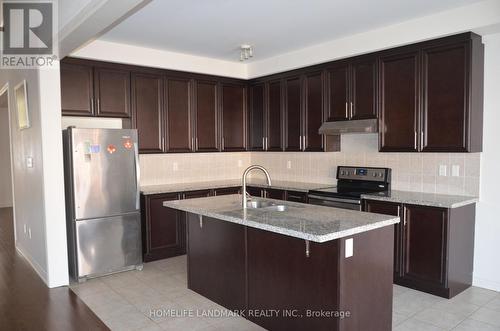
x=375 y=174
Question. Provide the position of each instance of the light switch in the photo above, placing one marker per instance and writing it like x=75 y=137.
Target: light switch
x=442 y=170
x=29 y=162
x=289 y=164
x=455 y=170
x=349 y=249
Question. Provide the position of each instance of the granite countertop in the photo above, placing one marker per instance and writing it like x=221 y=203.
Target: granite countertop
x=424 y=199
x=309 y=222
x=181 y=187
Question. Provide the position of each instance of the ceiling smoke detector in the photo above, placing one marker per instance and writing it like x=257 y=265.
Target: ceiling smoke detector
x=246 y=52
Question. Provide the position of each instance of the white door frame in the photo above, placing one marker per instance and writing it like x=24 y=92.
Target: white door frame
x=5 y=91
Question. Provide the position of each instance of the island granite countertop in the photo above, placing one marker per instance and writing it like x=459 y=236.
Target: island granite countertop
x=309 y=222
x=423 y=199
x=204 y=185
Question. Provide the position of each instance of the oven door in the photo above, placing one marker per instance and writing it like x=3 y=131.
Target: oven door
x=352 y=204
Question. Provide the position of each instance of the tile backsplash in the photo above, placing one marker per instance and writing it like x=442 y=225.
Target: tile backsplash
x=410 y=171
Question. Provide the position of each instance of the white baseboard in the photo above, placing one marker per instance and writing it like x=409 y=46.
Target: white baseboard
x=486 y=283
x=38 y=269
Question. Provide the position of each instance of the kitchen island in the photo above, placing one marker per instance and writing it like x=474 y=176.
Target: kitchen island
x=291 y=266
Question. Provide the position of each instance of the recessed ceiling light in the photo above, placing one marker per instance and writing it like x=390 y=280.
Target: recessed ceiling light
x=246 y=52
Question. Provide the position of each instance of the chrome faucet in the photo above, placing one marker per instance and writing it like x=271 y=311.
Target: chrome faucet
x=244 y=182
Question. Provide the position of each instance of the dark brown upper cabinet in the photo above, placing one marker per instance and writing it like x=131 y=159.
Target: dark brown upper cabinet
x=351 y=89
x=274 y=118
x=431 y=96
x=452 y=96
x=399 y=103
x=338 y=92
x=77 y=89
x=293 y=114
x=363 y=88
x=207 y=117
x=147 y=108
x=313 y=112
x=112 y=92
x=256 y=115
x=233 y=117
x=179 y=137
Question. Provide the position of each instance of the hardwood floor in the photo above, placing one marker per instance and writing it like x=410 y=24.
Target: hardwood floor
x=26 y=303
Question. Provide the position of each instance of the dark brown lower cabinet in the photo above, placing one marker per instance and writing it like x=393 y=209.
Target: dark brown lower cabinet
x=296 y=196
x=227 y=191
x=254 y=270
x=254 y=191
x=163 y=229
x=434 y=247
x=217 y=248
x=273 y=193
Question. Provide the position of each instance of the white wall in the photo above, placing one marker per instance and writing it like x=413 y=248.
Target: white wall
x=39 y=191
x=5 y=176
x=487 y=242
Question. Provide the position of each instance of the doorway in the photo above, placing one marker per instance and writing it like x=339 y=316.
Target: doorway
x=6 y=196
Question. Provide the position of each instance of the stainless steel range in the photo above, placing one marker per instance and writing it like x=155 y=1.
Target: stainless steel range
x=352 y=182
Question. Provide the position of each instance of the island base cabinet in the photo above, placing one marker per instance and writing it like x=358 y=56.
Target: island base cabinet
x=216 y=260
x=284 y=283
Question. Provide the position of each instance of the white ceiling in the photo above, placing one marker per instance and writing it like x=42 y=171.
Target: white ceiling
x=216 y=28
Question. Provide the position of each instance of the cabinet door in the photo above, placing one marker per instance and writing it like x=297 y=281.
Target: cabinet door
x=217 y=248
x=207 y=119
x=399 y=105
x=313 y=112
x=425 y=244
x=227 y=191
x=445 y=81
x=112 y=92
x=293 y=114
x=163 y=229
x=255 y=191
x=147 y=105
x=77 y=89
x=363 y=89
x=338 y=93
x=296 y=196
x=233 y=117
x=393 y=209
x=196 y=194
x=275 y=117
x=178 y=115
x=256 y=118
x=273 y=193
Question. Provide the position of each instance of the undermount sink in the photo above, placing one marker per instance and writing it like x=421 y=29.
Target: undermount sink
x=259 y=204
x=266 y=205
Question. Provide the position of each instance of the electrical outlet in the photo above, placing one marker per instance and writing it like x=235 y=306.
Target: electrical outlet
x=175 y=166
x=455 y=170
x=29 y=232
x=289 y=164
x=442 y=170
x=349 y=247
x=29 y=162
x=240 y=163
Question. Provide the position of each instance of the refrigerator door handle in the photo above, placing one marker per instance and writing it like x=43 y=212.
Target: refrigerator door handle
x=137 y=176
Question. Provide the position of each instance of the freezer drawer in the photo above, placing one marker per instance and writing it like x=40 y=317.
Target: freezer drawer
x=107 y=245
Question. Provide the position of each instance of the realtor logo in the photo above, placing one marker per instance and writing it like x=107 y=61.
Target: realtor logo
x=28 y=34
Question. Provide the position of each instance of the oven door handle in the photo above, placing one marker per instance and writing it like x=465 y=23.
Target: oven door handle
x=312 y=196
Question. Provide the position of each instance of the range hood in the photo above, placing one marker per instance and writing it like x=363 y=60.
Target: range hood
x=345 y=127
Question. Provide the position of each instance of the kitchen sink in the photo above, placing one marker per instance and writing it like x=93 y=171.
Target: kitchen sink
x=266 y=205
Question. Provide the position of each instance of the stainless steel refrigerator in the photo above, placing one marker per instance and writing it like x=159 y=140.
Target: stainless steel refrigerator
x=102 y=201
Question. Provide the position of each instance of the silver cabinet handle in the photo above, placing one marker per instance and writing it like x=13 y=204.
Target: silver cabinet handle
x=304 y=143
x=352 y=109
x=415 y=142
x=308 y=250
x=92 y=105
x=222 y=143
x=201 y=221
x=137 y=176
x=267 y=145
x=263 y=143
x=300 y=143
x=163 y=142
x=196 y=143
x=346 y=110
x=98 y=105
x=421 y=140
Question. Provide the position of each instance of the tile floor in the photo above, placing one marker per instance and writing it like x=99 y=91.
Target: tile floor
x=138 y=300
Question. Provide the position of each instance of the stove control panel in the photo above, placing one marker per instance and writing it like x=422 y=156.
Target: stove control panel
x=364 y=173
